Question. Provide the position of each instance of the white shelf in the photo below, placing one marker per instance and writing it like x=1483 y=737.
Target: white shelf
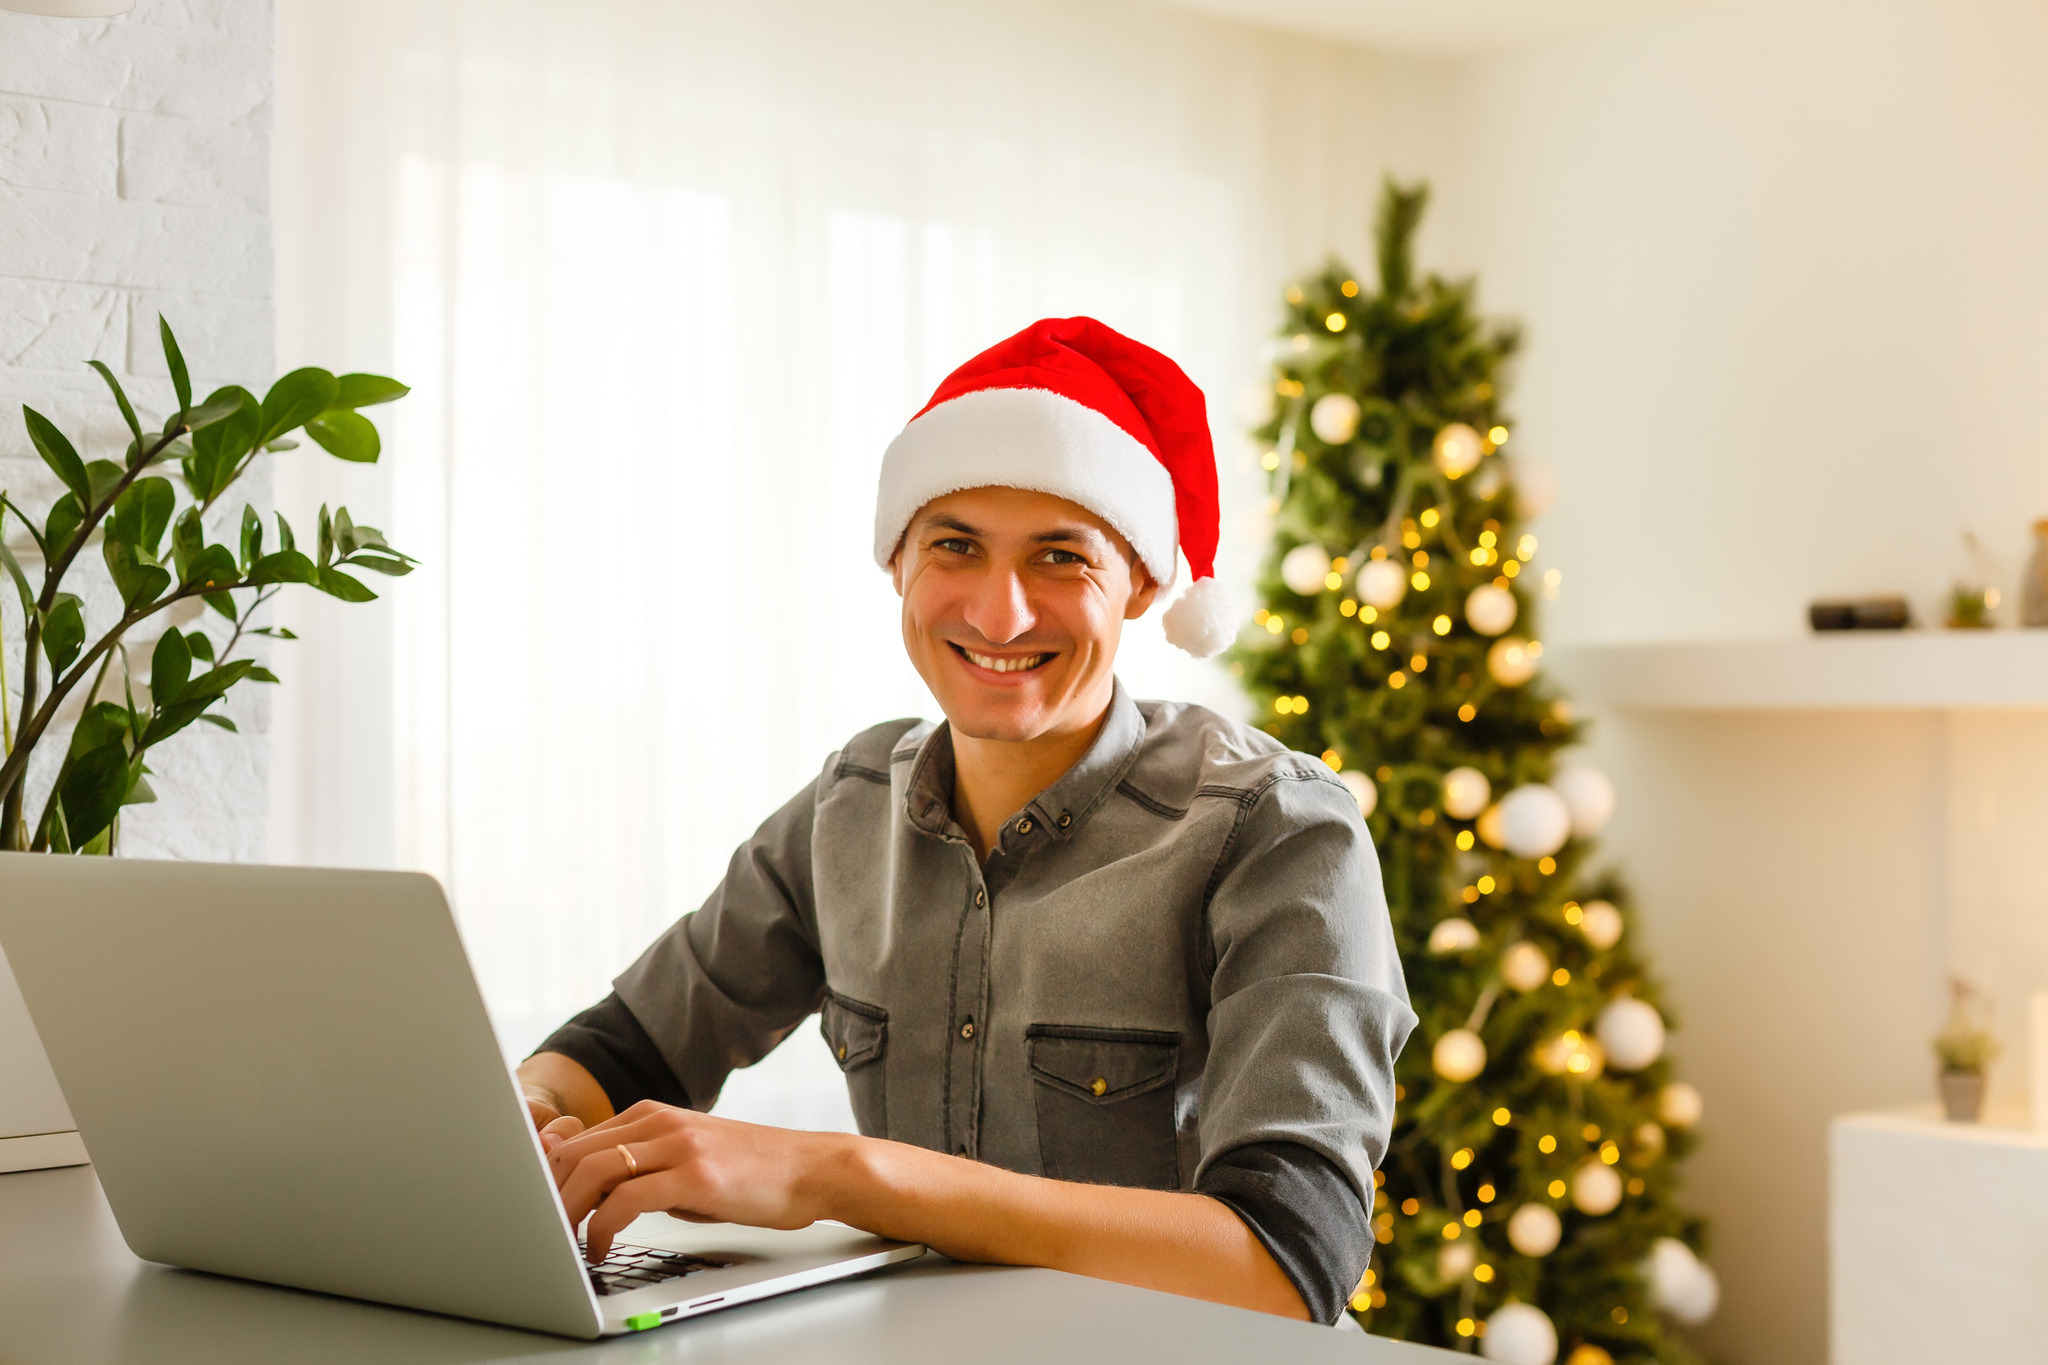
x=1903 y=670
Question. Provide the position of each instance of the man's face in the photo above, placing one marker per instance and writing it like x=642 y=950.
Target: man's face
x=1013 y=603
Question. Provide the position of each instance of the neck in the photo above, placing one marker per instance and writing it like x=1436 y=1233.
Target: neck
x=993 y=779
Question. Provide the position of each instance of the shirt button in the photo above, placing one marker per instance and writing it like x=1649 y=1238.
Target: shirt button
x=967 y=1031
x=981 y=896
x=1066 y=818
x=1098 y=1085
x=1024 y=825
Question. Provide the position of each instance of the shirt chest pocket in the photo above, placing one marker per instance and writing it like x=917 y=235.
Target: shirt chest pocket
x=858 y=1034
x=1104 y=1098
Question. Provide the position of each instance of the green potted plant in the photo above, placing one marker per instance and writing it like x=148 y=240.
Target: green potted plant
x=154 y=534
x=1965 y=1048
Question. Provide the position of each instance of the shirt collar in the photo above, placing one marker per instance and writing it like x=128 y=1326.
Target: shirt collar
x=1059 y=809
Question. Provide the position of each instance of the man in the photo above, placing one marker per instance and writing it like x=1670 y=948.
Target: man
x=1112 y=982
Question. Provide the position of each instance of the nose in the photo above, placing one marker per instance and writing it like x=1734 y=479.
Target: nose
x=999 y=607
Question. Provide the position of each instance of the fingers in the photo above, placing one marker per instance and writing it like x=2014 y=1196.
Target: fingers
x=559 y=1131
x=541 y=1111
x=626 y=1202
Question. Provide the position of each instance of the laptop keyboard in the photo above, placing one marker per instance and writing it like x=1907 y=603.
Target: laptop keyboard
x=628 y=1268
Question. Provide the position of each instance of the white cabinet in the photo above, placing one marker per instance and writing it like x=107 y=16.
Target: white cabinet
x=1937 y=1239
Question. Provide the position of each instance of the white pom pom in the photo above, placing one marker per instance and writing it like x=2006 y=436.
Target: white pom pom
x=1519 y=1334
x=1680 y=1283
x=1632 y=1032
x=1588 y=795
x=1202 y=619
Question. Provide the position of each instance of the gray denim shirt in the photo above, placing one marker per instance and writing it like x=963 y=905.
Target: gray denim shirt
x=1178 y=949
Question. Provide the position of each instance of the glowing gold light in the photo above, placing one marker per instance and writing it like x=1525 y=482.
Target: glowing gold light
x=1300 y=635
x=1487 y=539
x=1419 y=662
x=1502 y=1117
x=1483 y=1274
x=1635 y=1185
x=1283 y=705
x=1546 y=865
x=1546 y=1144
x=1556 y=1189
x=1591 y=1132
x=1274 y=625
x=1478 y=557
x=1335 y=322
x=1467 y=711
x=1380 y=639
x=1498 y=435
x=1620 y=1315
x=1464 y=839
x=1398 y=680
x=1420 y=559
x=1420 y=580
x=1300 y=705
x=1294 y=294
x=1461 y=1158
x=1442 y=625
x=1347 y=607
x=1452 y=1232
x=1349 y=289
x=1471 y=894
x=1525 y=548
x=1472 y=1218
x=1411 y=1207
x=1333 y=580
x=1430 y=516
x=1561 y=977
x=1465 y=1327
x=1511 y=568
x=1486 y=1193
x=1572 y=913
x=1270 y=460
x=1334 y=759
x=1486 y=885
x=1610 y=1153
x=1427 y=817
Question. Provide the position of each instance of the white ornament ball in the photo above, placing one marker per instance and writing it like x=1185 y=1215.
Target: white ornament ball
x=1588 y=795
x=1632 y=1032
x=1458 y=1055
x=1382 y=583
x=1533 y=821
x=1535 y=486
x=1650 y=1137
x=1519 y=1334
x=1488 y=827
x=1453 y=935
x=1681 y=1283
x=1457 y=450
x=1334 y=418
x=1466 y=792
x=1524 y=966
x=1510 y=662
x=1305 y=569
x=1596 y=1188
x=1534 y=1229
x=1601 y=924
x=1362 y=790
x=1680 y=1105
x=1456 y=1260
x=1490 y=609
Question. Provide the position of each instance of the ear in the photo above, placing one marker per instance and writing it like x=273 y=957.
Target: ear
x=896 y=569
x=1144 y=591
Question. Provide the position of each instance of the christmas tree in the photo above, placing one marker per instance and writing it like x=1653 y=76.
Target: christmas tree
x=1527 y=1205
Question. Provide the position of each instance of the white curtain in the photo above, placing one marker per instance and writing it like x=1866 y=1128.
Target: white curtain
x=666 y=278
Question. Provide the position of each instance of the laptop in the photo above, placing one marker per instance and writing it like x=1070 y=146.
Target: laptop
x=287 y=1074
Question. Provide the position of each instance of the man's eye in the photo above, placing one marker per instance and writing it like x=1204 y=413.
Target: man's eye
x=956 y=545
x=1063 y=557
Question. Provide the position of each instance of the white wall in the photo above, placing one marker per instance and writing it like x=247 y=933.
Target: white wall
x=1783 y=272
x=134 y=179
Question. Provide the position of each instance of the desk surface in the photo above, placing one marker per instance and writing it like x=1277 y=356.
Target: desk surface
x=71 y=1293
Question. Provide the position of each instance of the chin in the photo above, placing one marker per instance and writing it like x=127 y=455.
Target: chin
x=1011 y=720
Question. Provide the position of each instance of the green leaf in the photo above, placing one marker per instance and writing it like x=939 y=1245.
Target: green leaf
x=65 y=516
x=103 y=723
x=212 y=567
x=252 y=536
x=200 y=646
x=275 y=632
x=173 y=357
x=102 y=476
x=362 y=390
x=188 y=538
x=63 y=632
x=335 y=583
x=325 y=537
x=215 y=681
x=222 y=721
x=294 y=400
x=218 y=447
x=280 y=444
x=141 y=515
x=262 y=675
x=169 y=667
x=284 y=534
x=137 y=581
x=140 y=793
x=346 y=435
x=390 y=568
x=220 y=405
x=59 y=837
x=93 y=790
x=284 y=566
x=222 y=602
x=13 y=567
x=127 y=411
x=344 y=532
x=57 y=452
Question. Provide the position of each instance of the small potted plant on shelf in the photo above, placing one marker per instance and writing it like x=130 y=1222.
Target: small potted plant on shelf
x=1965 y=1048
x=154 y=534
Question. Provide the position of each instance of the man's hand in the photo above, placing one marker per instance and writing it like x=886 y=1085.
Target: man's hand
x=706 y=1169
x=562 y=1098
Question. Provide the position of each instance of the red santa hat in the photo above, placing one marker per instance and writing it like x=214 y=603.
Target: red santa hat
x=1071 y=408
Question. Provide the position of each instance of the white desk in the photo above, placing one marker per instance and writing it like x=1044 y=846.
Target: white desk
x=1937 y=1240
x=71 y=1294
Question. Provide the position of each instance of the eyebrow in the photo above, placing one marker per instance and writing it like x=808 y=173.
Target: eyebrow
x=1062 y=535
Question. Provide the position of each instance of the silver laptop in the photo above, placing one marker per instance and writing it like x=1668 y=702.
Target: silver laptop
x=286 y=1074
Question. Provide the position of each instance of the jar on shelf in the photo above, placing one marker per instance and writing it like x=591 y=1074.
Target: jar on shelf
x=2034 y=584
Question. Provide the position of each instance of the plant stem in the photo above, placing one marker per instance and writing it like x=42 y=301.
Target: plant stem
x=41 y=843
x=14 y=772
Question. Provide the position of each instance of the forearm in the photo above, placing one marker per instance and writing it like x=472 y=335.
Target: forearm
x=563 y=1084
x=1187 y=1244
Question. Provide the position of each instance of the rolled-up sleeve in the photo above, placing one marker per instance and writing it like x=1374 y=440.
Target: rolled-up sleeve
x=1308 y=1010
x=726 y=983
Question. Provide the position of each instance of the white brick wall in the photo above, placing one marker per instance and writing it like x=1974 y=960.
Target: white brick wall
x=135 y=179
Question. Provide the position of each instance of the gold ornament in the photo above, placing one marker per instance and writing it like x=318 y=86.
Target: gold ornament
x=1457 y=450
x=1571 y=1053
x=1588 y=1354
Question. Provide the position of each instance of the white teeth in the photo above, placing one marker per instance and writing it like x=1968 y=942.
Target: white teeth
x=1016 y=665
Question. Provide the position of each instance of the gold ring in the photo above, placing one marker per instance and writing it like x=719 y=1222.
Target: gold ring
x=632 y=1166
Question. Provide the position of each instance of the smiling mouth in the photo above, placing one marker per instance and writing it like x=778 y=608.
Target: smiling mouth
x=1021 y=663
